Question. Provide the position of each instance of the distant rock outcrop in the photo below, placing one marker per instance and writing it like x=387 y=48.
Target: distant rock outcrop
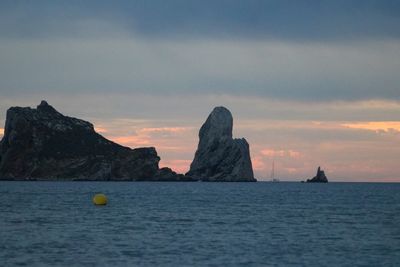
x=219 y=157
x=319 y=178
x=43 y=144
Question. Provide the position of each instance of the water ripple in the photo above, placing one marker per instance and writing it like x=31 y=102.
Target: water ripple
x=199 y=224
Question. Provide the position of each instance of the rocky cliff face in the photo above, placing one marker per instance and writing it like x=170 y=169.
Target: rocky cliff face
x=219 y=157
x=43 y=144
x=319 y=178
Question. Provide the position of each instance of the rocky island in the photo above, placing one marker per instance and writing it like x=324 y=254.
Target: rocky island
x=319 y=178
x=219 y=157
x=43 y=144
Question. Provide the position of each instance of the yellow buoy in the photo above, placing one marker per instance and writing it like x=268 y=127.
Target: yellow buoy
x=100 y=199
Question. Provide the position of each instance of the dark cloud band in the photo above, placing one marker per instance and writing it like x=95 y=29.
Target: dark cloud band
x=259 y=19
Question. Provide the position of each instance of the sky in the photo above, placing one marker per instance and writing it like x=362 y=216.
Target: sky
x=309 y=83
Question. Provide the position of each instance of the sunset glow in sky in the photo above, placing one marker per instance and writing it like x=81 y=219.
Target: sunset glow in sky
x=307 y=84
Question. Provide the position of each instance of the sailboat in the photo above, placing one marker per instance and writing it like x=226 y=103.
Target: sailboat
x=273 y=179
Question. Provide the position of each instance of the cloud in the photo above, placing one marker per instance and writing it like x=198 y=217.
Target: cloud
x=131 y=141
x=165 y=130
x=377 y=126
x=273 y=69
x=148 y=136
x=1 y=132
x=271 y=153
x=181 y=19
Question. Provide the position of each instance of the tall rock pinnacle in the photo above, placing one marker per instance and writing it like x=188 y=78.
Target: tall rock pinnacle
x=219 y=157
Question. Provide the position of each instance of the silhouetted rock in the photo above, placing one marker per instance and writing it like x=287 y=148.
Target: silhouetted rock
x=218 y=157
x=43 y=144
x=166 y=175
x=319 y=178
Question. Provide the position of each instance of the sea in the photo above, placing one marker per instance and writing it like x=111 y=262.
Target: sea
x=199 y=224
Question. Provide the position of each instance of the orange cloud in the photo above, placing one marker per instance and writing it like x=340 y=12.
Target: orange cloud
x=131 y=141
x=177 y=148
x=280 y=153
x=273 y=153
x=147 y=136
x=294 y=154
x=258 y=163
x=1 y=131
x=385 y=126
x=164 y=130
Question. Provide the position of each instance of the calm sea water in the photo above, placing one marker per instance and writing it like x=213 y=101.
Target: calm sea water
x=199 y=224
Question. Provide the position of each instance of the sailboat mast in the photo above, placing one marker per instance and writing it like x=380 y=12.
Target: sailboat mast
x=273 y=170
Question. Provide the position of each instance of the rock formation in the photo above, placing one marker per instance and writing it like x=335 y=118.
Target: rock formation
x=319 y=178
x=43 y=144
x=219 y=157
